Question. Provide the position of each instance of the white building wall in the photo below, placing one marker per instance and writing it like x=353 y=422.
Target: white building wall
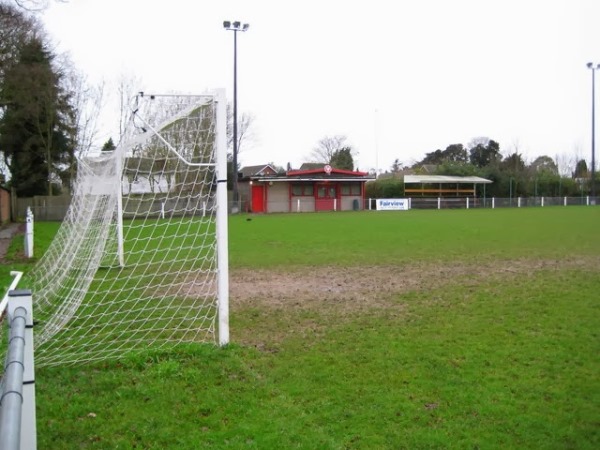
x=278 y=197
x=303 y=204
x=348 y=202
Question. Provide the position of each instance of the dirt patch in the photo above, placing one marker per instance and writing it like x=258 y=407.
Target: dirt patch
x=359 y=287
x=306 y=300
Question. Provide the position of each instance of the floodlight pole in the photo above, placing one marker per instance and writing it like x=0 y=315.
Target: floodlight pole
x=593 y=185
x=235 y=27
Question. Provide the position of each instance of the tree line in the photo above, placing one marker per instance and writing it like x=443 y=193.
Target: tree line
x=510 y=175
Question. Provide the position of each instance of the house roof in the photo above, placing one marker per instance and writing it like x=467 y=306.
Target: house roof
x=442 y=179
x=325 y=170
x=311 y=166
x=261 y=169
x=322 y=172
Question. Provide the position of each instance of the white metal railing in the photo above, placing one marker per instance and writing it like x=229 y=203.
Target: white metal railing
x=17 y=384
x=308 y=204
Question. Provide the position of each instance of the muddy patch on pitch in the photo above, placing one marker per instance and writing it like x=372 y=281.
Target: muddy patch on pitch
x=303 y=302
x=360 y=287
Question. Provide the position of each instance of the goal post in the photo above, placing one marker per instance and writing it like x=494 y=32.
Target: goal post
x=141 y=259
x=222 y=227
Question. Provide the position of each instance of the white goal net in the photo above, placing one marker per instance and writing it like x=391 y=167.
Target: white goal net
x=140 y=261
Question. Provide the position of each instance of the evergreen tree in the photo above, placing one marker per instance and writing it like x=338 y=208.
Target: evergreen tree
x=342 y=159
x=36 y=137
x=581 y=169
x=108 y=146
x=483 y=155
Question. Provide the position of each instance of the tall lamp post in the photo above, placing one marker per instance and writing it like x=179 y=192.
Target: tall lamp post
x=235 y=27
x=593 y=187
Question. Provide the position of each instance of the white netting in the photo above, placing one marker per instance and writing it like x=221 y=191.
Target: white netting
x=134 y=263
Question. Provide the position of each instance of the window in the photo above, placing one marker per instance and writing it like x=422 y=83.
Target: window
x=351 y=189
x=299 y=190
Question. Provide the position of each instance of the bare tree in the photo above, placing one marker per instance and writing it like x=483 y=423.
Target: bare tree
x=127 y=89
x=326 y=148
x=396 y=166
x=35 y=5
x=565 y=164
x=88 y=102
x=245 y=132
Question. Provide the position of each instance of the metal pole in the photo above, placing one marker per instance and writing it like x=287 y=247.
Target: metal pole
x=235 y=127
x=235 y=27
x=593 y=132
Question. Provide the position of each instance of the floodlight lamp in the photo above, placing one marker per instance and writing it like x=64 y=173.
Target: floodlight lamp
x=246 y=26
x=236 y=24
x=226 y=24
x=590 y=65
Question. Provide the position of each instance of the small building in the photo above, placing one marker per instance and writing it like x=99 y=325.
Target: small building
x=443 y=185
x=323 y=188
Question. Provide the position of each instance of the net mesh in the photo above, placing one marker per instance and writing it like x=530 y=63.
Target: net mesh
x=134 y=264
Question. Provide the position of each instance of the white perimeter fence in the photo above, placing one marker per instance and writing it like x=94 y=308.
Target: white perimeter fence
x=308 y=204
x=46 y=211
x=490 y=202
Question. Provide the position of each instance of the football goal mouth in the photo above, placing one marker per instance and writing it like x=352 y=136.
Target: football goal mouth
x=146 y=221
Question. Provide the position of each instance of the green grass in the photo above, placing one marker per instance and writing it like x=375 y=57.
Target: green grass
x=369 y=238
x=505 y=361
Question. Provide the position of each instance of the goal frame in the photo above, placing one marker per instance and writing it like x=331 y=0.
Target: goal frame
x=221 y=217
x=220 y=99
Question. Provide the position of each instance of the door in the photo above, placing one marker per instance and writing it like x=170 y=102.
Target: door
x=258 y=198
x=326 y=197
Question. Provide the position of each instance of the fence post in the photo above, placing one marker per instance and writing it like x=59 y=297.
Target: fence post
x=565 y=201
x=518 y=202
x=542 y=202
x=29 y=233
x=335 y=204
x=493 y=202
x=439 y=203
x=587 y=200
x=467 y=202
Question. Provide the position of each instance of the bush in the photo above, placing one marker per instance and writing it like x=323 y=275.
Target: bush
x=385 y=188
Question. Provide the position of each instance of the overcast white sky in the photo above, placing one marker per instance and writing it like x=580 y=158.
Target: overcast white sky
x=398 y=78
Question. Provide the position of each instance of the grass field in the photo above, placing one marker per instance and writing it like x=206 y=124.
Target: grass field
x=419 y=329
